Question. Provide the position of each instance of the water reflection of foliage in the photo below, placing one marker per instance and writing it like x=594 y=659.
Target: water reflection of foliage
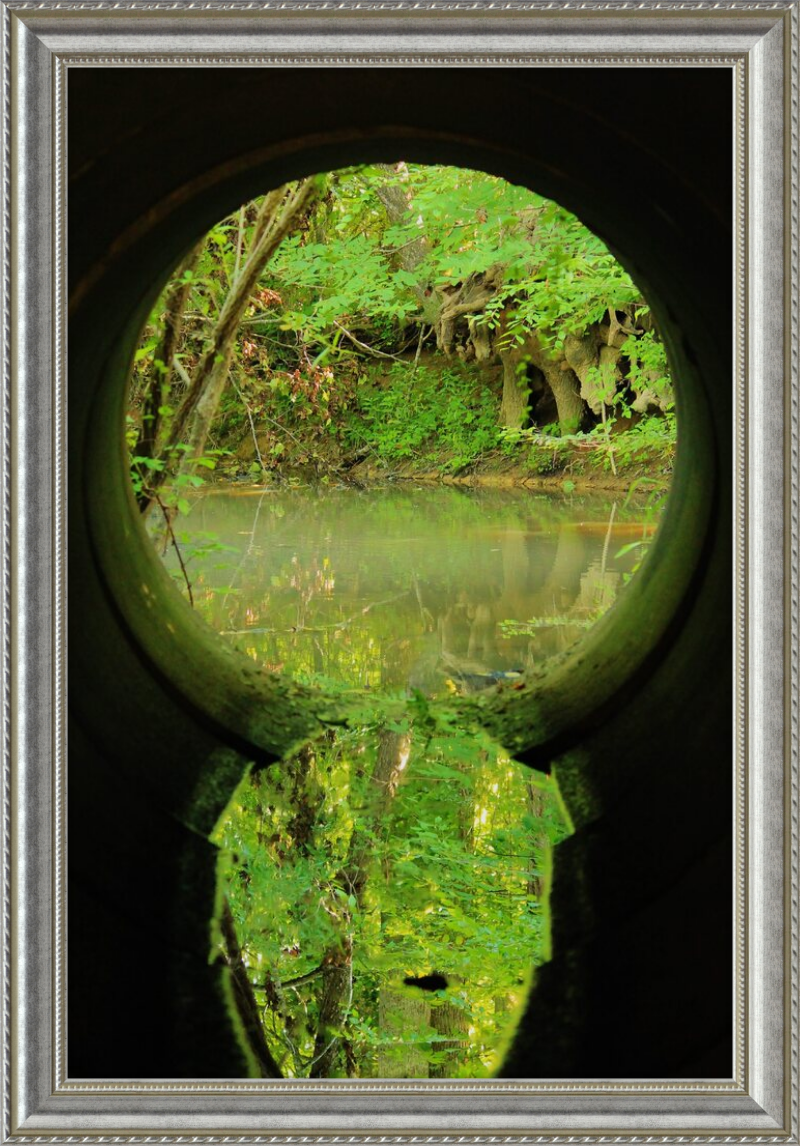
x=374 y=856
x=418 y=614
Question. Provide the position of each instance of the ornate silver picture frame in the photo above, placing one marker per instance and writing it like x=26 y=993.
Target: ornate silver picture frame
x=53 y=53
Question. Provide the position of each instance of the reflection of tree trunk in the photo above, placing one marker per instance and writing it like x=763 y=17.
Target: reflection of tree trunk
x=482 y=642
x=452 y=1023
x=302 y=791
x=541 y=842
x=516 y=564
x=334 y=1003
x=305 y=795
x=563 y=584
x=244 y=999
x=536 y=883
x=448 y=1020
x=337 y=973
x=392 y=757
x=400 y=1014
x=502 y=1007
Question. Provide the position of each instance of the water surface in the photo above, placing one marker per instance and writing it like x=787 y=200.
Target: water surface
x=432 y=588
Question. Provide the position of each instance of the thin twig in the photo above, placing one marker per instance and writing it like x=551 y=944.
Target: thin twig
x=239 y=245
x=318 y=628
x=363 y=346
x=282 y=429
x=182 y=372
x=174 y=540
x=607 y=434
x=326 y=465
x=608 y=540
x=252 y=423
x=309 y=975
x=419 y=351
x=367 y=609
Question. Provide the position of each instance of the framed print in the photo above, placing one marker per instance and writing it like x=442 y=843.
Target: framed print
x=663 y=1004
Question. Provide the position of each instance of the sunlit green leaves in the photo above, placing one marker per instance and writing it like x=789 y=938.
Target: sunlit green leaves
x=451 y=883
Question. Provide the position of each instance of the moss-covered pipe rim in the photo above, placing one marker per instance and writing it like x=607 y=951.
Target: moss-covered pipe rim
x=264 y=715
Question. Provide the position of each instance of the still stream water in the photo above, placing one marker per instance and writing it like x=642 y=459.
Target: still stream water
x=395 y=589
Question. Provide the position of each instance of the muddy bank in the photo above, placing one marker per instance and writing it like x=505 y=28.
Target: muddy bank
x=559 y=466
x=512 y=477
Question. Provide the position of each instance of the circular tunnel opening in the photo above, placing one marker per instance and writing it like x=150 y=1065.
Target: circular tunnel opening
x=383 y=346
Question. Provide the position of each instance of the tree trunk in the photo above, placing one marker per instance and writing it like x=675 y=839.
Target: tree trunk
x=410 y=255
x=301 y=789
x=567 y=393
x=163 y=363
x=557 y=373
x=585 y=355
x=201 y=400
x=337 y=973
x=581 y=354
x=541 y=843
x=334 y=1003
x=451 y=1022
x=481 y=337
x=446 y=1018
x=206 y=409
x=514 y=409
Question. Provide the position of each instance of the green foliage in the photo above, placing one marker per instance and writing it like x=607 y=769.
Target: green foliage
x=651 y=440
x=310 y=398
x=173 y=493
x=471 y=220
x=569 y=281
x=648 y=370
x=653 y=508
x=449 y=874
x=450 y=879
x=340 y=288
x=544 y=451
x=441 y=864
x=402 y=413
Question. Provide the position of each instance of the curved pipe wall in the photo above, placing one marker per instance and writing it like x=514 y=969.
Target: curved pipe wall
x=637 y=724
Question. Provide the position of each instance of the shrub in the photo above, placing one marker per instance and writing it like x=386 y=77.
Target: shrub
x=448 y=416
